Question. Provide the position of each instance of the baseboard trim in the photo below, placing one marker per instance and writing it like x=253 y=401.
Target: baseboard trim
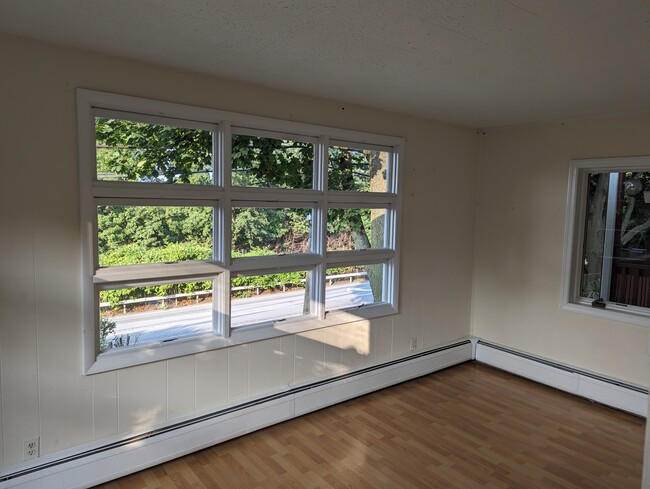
x=610 y=392
x=98 y=463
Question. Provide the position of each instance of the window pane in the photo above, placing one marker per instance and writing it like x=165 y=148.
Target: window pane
x=616 y=252
x=130 y=235
x=271 y=297
x=267 y=162
x=140 y=152
x=357 y=170
x=353 y=286
x=135 y=316
x=260 y=231
x=355 y=229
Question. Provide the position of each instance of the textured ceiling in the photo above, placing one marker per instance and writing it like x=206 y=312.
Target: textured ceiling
x=481 y=63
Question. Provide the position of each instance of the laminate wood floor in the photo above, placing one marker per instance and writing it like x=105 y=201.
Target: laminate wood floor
x=469 y=426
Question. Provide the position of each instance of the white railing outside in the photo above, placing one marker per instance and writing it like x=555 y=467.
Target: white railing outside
x=330 y=278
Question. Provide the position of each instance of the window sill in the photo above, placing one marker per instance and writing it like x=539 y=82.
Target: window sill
x=612 y=312
x=154 y=352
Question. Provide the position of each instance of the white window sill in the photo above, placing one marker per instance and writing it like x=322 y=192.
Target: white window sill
x=154 y=352
x=612 y=312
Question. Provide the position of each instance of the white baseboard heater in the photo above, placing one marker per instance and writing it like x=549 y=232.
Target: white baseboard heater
x=96 y=463
x=610 y=392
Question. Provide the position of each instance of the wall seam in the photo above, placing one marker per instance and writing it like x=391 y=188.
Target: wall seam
x=38 y=356
x=480 y=134
x=2 y=415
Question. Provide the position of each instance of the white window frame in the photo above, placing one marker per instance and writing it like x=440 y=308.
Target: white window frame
x=222 y=196
x=570 y=299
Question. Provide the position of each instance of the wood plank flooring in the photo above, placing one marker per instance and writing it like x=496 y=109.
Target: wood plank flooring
x=466 y=427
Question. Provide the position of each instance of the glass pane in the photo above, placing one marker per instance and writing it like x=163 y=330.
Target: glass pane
x=357 y=170
x=268 y=162
x=140 y=152
x=135 y=316
x=355 y=229
x=260 y=231
x=353 y=286
x=129 y=235
x=271 y=297
x=616 y=252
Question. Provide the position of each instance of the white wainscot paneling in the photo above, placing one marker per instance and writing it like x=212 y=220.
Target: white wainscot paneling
x=211 y=379
x=180 y=387
x=95 y=463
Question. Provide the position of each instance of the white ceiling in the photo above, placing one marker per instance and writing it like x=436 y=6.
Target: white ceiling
x=481 y=63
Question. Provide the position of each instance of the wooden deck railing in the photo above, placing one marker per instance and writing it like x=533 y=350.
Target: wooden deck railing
x=631 y=281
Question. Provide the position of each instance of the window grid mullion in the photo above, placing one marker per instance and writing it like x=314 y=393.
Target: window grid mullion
x=319 y=226
x=221 y=196
x=223 y=241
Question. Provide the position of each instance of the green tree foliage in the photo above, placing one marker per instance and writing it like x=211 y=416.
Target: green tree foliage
x=144 y=152
x=136 y=151
x=268 y=162
x=279 y=230
x=152 y=227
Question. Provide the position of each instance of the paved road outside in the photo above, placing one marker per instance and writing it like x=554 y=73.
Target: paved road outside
x=157 y=325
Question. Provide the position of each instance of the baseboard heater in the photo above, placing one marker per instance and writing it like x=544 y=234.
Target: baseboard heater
x=85 y=467
x=604 y=390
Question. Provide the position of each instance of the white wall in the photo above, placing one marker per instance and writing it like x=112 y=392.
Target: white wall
x=519 y=237
x=42 y=389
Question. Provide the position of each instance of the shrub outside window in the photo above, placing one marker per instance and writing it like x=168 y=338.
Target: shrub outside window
x=203 y=229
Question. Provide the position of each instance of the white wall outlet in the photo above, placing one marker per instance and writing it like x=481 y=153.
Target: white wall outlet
x=414 y=343
x=30 y=449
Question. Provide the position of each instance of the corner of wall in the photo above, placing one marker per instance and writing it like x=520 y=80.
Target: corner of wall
x=480 y=135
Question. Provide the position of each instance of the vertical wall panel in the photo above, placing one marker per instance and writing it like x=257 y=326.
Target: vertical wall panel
x=310 y=355
x=402 y=332
x=211 y=379
x=332 y=355
x=381 y=331
x=265 y=366
x=180 y=387
x=288 y=361
x=2 y=445
x=403 y=323
x=19 y=360
x=65 y=394
x=142 y=397
x=104 y=405
x=356 y=345
x=238 y=371
x=19 y=351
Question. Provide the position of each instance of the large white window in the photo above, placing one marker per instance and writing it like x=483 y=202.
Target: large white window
x=607 y=240
x=204 y=229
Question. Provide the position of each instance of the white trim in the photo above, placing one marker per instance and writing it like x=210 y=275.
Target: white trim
x=111 y=463
x=110 y=190
x=222 y=196
x=610 y=392
x=612 y=312
x=153 y=273
x=126 y=103
x=249 y=131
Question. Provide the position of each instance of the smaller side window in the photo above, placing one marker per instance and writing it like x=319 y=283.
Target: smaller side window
x=609 y=224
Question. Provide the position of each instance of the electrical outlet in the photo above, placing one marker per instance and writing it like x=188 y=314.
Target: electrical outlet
x=30 y=449
x=414 y=342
